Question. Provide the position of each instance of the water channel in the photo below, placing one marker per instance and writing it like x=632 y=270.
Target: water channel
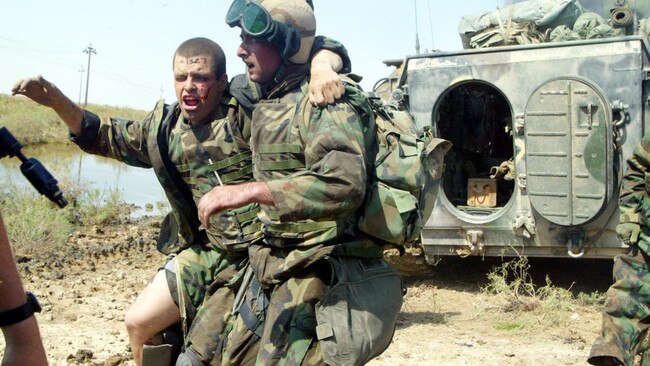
x=137 y=186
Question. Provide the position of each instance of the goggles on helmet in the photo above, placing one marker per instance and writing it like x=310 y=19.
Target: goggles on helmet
x=250 y=16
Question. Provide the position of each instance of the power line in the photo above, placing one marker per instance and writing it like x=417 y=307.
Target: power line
x=49 y=46
x=37 y=54
x=112 y=62
x=108 y=71
x=143 y=82
x=33 y=55
x=433 y=46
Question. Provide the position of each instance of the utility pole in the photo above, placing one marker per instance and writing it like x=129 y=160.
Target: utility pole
x=81 y=78
x=433 y=46
x=417 y=37
x=89 y=50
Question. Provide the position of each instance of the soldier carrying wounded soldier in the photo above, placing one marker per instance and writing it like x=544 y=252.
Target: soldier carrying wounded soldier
x=276 y=183
x=195 y=144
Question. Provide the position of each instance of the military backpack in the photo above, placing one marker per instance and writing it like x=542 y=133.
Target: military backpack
x=405 y=177
x=404 y=170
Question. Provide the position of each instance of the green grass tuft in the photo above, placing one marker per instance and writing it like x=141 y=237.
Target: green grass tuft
x=35 y=224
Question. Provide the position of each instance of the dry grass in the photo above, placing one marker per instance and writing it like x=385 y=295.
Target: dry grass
x=33 y=124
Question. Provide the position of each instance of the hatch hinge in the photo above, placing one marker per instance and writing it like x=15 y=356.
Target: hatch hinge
x=524 y=220
x=474 y=244
x=519 y=123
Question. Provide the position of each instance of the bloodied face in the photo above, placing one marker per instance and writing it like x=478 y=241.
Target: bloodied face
x=197 y=86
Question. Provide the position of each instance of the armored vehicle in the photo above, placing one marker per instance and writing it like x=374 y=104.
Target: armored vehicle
x=540 y=136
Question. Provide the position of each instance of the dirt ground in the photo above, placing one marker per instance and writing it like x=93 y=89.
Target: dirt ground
x=445 y=320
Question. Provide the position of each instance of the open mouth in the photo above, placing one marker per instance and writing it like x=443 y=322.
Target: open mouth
x=190 y=102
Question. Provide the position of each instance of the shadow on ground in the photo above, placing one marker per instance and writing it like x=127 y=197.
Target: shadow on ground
x=470 y=274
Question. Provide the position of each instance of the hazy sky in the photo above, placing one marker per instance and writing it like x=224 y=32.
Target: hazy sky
x=135 y=40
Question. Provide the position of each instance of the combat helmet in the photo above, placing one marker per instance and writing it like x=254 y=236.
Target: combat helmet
x=289 y=24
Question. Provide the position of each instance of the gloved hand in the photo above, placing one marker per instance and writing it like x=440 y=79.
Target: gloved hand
x=628 y=232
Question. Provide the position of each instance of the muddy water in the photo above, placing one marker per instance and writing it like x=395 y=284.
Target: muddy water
x=137 y=185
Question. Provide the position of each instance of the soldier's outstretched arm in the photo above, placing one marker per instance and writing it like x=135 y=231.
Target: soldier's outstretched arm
x=47 y=94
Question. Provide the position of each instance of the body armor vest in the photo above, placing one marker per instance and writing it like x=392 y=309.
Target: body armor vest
x=211 y=155
x=278 y=150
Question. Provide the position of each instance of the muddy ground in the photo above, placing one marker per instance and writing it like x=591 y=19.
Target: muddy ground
x=445 y=320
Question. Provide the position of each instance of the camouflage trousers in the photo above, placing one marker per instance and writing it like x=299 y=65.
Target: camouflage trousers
x=284 y=317
x=339 y=311
x=626 y=315
x=206 y=281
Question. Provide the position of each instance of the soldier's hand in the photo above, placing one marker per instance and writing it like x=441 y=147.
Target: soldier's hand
x=39 y=90
x=218 y=199
x=628 y=232
x=232 y=196
x=210 y=204
x=325 y=86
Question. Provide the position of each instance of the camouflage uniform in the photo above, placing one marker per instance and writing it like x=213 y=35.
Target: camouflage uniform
x=209 y=264
x=624 y=333
x=186 y=160
x=314 y=162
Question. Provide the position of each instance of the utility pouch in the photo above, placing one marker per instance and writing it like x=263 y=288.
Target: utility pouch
x=168 y=241
x=391 y=214
x=356 y=317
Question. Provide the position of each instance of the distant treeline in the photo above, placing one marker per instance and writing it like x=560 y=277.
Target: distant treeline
x=33 y=124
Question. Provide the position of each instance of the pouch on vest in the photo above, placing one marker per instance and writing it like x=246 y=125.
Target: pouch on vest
x=356 y=317
x=168 y=239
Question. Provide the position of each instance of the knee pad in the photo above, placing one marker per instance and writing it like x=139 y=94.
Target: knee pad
x=160 y=355
x=189 y=358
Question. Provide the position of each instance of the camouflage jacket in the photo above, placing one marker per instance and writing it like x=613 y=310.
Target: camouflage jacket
x=314 y=162
x=633 y=199
x=185 y=167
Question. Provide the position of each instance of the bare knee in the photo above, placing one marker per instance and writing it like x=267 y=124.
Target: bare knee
x=133 y=321
x=153 y=311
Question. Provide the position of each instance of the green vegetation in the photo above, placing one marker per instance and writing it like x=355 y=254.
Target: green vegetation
x=34 y=223
x=518 y=295
x=507 y=326
x=33 y=124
